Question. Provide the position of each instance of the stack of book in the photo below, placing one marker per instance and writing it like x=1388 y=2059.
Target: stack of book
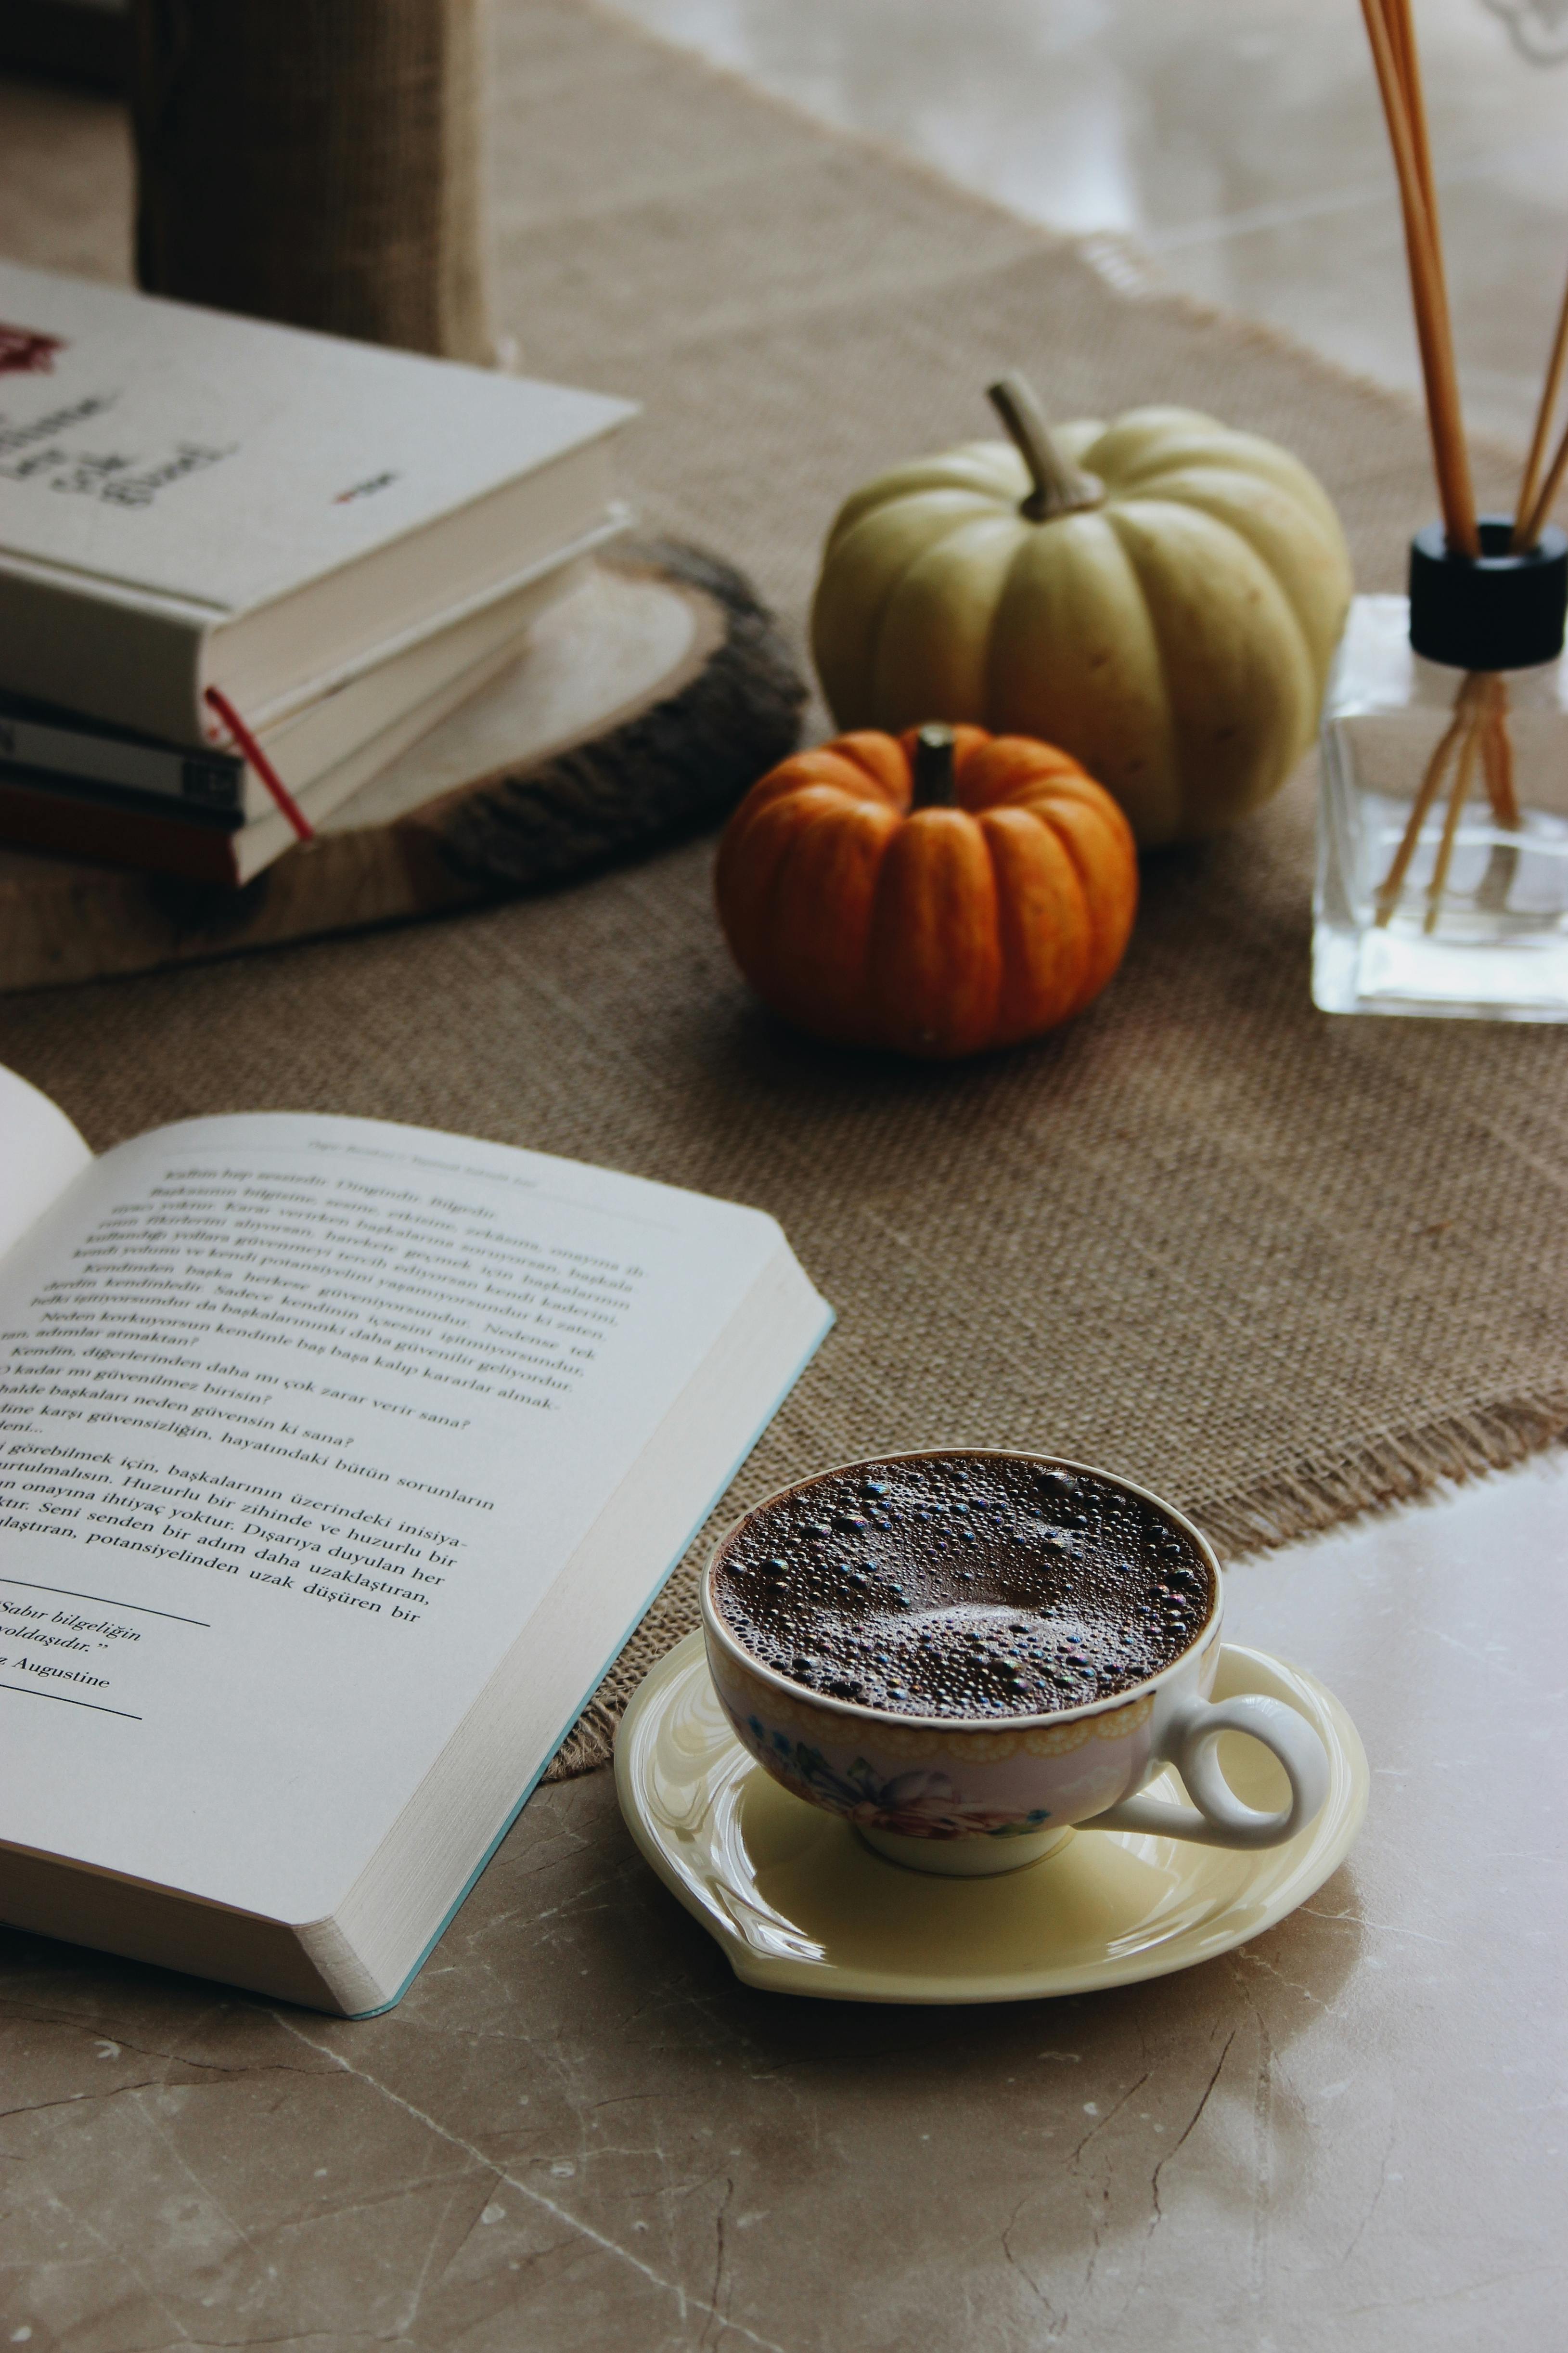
x=242 y=568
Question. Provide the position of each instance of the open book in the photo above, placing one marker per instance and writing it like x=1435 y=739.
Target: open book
x=337 y=1462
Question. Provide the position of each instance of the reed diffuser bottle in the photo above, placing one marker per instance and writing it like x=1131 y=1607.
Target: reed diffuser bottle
x=1443 y=828
x=1442 y=882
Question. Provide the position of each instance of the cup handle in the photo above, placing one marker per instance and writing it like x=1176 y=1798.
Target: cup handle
x=1218 y=1818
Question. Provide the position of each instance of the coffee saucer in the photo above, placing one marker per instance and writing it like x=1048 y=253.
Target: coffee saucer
x=800 y=1905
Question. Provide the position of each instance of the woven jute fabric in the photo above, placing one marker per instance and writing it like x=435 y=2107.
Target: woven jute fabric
x=1283 y=1268
x=317 y=162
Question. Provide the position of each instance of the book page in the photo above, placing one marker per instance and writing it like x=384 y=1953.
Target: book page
x=40 y=1153
x=299 y=1420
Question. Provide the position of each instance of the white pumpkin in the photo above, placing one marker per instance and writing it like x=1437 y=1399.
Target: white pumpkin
x=1160 y=596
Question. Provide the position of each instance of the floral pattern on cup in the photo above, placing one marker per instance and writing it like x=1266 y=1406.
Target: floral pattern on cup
x=917 y=1804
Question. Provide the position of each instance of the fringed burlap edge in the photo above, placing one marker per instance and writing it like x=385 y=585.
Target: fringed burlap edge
x=1396 y=1467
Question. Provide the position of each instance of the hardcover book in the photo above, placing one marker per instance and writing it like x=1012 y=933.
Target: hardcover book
x=305 y=744
x=189 y=499
x=207 y=817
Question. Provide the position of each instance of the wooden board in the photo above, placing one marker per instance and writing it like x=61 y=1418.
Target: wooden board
x=644 y=704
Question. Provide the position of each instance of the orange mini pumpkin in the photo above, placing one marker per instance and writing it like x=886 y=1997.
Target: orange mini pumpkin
x=937 y=892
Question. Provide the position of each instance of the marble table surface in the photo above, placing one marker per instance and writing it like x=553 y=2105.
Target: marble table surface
x=579 y=2131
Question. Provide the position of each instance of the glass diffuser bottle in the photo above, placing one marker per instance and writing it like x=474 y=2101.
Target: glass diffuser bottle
x=1443 y=826
x=1442 y=882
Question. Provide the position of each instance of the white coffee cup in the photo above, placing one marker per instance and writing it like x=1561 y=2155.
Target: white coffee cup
x=968 y=1799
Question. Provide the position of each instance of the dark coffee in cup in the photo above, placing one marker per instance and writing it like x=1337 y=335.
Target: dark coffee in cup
x=964 y=1585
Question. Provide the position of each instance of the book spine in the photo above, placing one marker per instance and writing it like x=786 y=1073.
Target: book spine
x=198 y=780
x=137 y=665
x=35 y=817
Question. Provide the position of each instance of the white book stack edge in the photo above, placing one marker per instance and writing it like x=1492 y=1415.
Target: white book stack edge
x=49 y=743
x=78 y=788
x=221 y=534
x=337 y=1460
x=194 y=500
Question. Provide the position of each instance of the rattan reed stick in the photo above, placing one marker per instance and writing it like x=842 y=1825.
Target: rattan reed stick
x=1392 y=37
x=1529 y=485
x=1393 y=880
x=1535 y=521
x=1457 y=800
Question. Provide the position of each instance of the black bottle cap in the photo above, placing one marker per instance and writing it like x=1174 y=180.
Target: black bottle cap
x=1492 y=611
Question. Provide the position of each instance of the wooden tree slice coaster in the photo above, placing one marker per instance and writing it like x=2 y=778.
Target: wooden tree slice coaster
x=643 y=705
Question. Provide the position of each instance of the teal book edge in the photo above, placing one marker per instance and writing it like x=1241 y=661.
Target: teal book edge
x=625 y=1636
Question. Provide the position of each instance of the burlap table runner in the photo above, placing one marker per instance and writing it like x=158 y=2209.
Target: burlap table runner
x=1283 y=1267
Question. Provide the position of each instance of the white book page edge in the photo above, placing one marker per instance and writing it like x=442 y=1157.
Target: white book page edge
x=40 y=1153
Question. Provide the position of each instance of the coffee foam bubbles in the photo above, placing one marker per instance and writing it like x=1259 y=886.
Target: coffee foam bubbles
x=963 y=1586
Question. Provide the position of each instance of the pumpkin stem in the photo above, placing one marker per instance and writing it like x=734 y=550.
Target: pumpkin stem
x=1060 y=487
x=933 y=768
